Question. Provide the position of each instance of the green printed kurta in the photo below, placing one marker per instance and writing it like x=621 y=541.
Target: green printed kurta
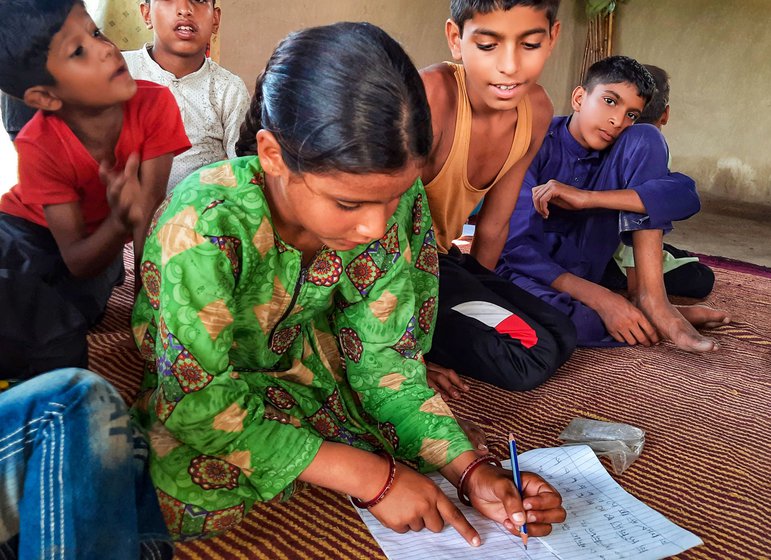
x=254 y=360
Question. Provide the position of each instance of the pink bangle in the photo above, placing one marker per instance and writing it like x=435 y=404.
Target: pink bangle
x=489 y=459
x=386 y=488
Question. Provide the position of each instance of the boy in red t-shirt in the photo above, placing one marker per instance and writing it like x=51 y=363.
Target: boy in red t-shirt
x=93 y=167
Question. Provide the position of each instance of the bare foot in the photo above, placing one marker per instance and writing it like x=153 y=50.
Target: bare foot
x=703 y=316
x=674 y=326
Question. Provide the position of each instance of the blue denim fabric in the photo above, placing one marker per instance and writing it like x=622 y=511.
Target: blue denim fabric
x=73 y=476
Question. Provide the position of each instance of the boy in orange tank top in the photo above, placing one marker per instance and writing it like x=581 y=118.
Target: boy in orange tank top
x=489 y=118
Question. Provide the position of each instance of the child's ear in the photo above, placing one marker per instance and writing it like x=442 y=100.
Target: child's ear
x=269 y=151
x=577 y=98
x=452 y=32
x=41 y=97
x=664 y=116
x=216 y=23
x=144 y=8
x=554 y=34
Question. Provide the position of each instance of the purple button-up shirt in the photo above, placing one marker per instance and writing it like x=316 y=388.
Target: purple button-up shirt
x=582 y=242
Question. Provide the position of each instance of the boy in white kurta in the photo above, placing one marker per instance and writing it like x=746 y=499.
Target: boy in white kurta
x=212 y=100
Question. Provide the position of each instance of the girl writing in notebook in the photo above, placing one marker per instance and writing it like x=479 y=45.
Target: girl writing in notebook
x=288 y=299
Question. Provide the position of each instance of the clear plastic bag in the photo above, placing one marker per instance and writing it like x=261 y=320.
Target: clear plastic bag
x=621 y=443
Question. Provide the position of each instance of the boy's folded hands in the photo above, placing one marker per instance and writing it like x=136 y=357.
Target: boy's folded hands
x=124 y=193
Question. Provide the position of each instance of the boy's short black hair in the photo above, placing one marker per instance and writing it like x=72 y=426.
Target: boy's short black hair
x=619 y=69
x=463 y=10
x=658 y=103
x=25 y=37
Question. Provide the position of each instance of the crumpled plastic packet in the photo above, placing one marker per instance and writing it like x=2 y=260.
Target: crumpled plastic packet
x=621 y=443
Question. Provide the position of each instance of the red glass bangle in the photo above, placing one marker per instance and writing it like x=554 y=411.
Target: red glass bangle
x=489 y=459
x=386 y=488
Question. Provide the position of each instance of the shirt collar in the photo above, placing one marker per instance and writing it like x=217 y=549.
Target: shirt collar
x=162 y=71
x=567 y=140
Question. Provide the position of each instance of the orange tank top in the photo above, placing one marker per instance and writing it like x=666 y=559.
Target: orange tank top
x=451 y=197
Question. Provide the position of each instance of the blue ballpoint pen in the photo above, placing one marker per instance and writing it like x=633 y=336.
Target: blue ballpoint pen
x=517 y=480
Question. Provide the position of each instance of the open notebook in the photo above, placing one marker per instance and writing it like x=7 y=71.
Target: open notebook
x=604 y=521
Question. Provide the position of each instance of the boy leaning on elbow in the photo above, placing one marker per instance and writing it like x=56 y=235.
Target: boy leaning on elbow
x=93 y=166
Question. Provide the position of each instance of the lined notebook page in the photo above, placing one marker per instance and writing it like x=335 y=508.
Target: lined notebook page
x=604 y=521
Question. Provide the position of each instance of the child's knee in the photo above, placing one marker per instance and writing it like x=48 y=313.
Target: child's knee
x=92 y=402
x=511 y=366
x=589 y=326
x=704 y=281
x=694 y=280
x=565 y=334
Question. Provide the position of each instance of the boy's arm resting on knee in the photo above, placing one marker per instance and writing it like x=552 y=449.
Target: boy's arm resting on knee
x=572 y=198
x=590 y=294
x=85 y=255
x=493 y=223
x=623 y=321
x=668 y=198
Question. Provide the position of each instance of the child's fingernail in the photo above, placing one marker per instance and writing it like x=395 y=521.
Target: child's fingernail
x=518 y=518
x=476 y=541
x=531 y=518
x=527 y=505
x=482 y=446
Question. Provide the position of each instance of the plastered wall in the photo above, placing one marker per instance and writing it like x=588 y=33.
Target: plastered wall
x=252 y=28
x=718 y=54
x=719 y=57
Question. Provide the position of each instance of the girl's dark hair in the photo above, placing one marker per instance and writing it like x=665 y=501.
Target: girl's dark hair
x=340 y=98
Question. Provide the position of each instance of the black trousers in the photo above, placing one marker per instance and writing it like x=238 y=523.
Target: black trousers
x=45 y=312
x=694 y=279
x=489 y=329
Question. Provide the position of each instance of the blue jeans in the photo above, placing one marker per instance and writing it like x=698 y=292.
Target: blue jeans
x=73 y=473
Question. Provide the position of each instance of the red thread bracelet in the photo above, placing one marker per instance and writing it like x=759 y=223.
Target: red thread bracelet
x=489 y=459
x=386 y=488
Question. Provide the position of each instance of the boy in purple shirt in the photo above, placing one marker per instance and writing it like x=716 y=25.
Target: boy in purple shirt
x=589 y=185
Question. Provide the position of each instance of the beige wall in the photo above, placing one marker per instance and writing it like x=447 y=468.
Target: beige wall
x=561 y=73
x=717 y=53
x=249 y=33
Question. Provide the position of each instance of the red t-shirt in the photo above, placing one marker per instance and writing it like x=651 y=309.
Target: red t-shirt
x=55 y=168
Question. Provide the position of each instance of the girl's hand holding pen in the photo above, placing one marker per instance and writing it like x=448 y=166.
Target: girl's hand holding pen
x=494 y=494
